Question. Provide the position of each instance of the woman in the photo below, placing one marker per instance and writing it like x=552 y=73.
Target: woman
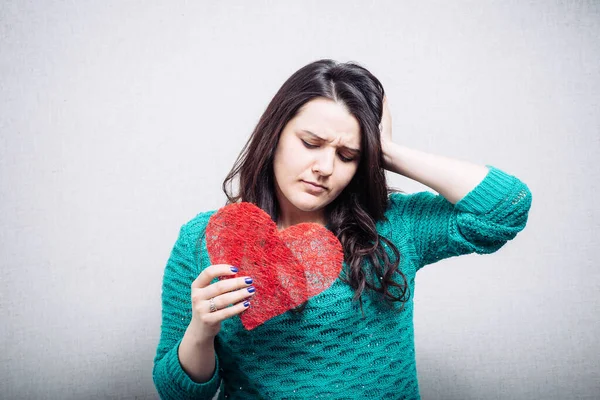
x=318 y=155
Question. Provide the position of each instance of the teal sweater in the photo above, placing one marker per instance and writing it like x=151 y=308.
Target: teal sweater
x=330 y=350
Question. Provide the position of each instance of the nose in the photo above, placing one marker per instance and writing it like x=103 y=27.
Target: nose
x=323 y=164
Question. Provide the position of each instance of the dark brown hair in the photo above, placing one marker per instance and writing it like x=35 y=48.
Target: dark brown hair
x=352 y=215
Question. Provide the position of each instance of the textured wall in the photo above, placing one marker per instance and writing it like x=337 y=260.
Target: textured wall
x=119 y=120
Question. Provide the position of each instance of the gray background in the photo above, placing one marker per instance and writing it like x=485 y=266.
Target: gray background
x=119 y=121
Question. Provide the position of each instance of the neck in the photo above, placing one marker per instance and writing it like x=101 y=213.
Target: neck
x=289 y=219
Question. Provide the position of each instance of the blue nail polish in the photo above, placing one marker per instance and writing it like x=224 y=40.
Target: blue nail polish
x=246 y=304
x=234 y=269
x=251 y=289
x=248 y=281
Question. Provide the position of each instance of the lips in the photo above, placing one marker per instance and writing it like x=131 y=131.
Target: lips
x=315 y=185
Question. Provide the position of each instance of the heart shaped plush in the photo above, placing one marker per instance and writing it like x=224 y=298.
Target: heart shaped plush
x=287 y=267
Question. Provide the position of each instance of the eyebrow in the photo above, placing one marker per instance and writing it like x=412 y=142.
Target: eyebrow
x=357 y=151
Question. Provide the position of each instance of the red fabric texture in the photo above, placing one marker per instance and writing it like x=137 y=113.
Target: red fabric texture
x=287 y=267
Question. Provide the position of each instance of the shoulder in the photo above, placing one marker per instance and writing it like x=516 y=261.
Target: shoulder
x=405 y=211
x=195 y=227
x=411 y=205
x=399 y=199
x=401 y=209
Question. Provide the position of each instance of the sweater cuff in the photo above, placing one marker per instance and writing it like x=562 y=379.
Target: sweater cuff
x=494 y=188
x=185 y=383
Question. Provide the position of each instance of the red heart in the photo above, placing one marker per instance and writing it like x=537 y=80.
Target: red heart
x=287 y=267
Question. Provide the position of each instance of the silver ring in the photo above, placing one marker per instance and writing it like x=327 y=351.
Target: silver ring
x=212 y=305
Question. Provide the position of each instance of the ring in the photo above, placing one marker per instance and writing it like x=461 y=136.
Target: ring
x=212 y=305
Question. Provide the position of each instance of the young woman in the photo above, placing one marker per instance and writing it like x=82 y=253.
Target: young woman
x=318 y=154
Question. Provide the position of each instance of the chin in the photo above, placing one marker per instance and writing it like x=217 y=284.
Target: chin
x=307 y=207
x=303 y=203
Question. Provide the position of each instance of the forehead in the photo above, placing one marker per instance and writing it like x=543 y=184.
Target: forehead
x=330 y=120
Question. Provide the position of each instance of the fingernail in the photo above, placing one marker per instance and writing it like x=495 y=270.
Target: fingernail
x=246 y=304
x=248 y=281
x=251 y=289
x=234 y=269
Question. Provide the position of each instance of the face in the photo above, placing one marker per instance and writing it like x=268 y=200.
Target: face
x=317 y=155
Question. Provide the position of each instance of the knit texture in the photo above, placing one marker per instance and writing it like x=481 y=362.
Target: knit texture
x=330 y=350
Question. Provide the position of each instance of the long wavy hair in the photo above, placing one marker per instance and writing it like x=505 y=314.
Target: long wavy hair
x=353 y=214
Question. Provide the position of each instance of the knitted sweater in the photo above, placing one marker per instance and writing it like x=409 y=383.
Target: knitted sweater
x=331 y=350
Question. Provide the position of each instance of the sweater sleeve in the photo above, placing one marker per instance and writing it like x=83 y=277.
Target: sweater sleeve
x=481 y=222
x=171 y=381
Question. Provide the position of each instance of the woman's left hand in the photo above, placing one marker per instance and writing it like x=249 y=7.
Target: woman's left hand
x=386 y=130
x=386 y=123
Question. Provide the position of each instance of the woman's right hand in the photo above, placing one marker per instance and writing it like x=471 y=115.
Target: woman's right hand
x=235 y=292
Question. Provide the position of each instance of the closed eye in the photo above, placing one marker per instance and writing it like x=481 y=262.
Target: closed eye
x=314 y=146
x=345 y=159
x=308 y=145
